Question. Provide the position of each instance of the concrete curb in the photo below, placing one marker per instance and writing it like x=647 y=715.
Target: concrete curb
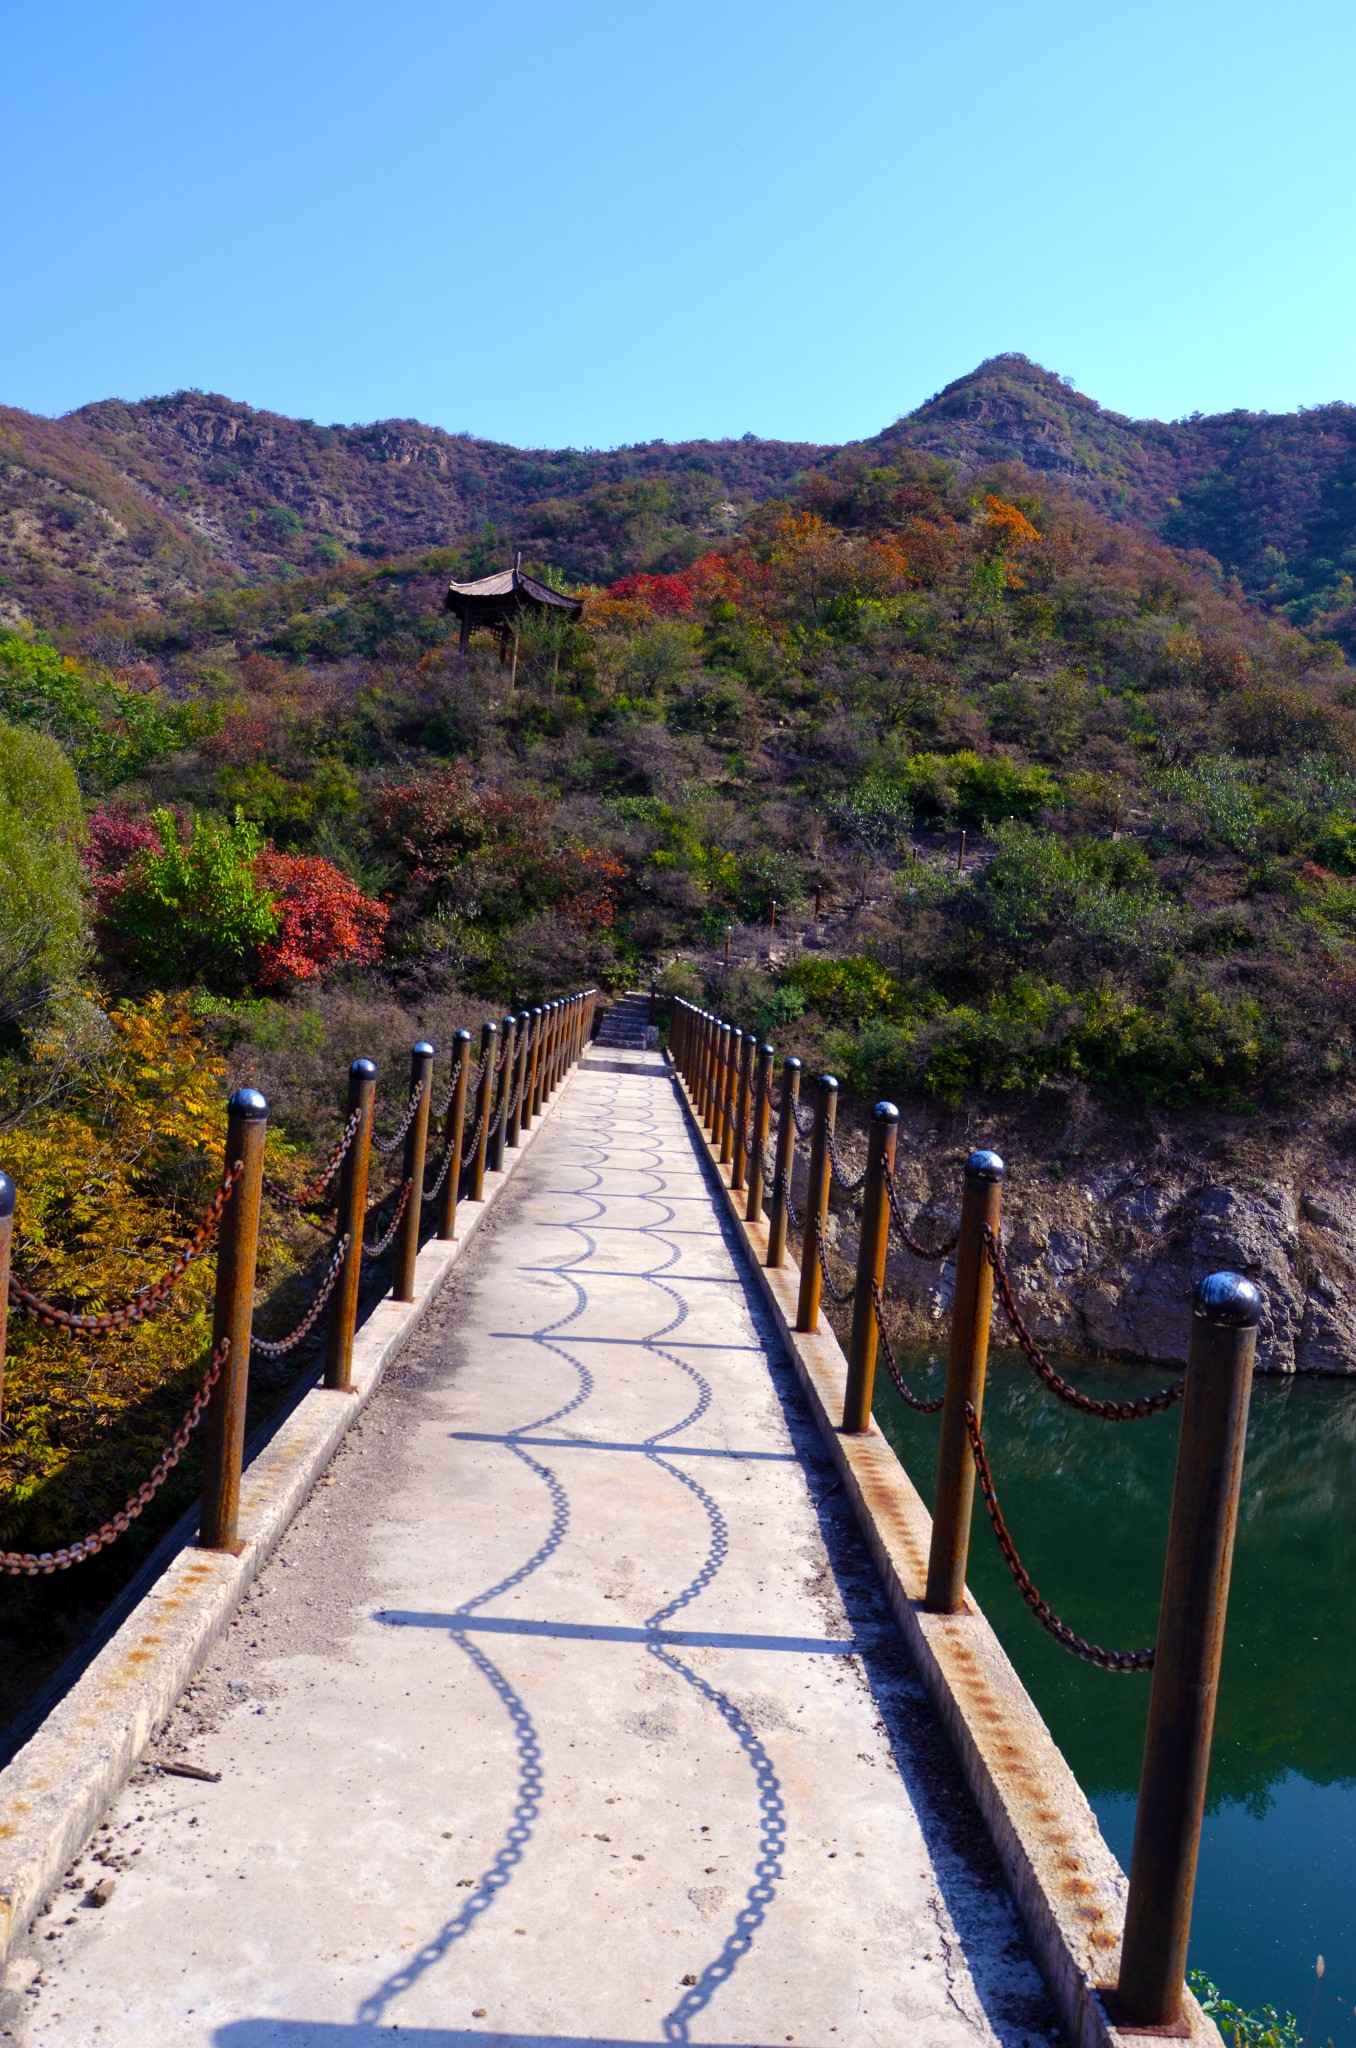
x=1068 y=1886
x=59 y=1785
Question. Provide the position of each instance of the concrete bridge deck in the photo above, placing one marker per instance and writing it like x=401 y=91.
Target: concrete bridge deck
x=570 y=1710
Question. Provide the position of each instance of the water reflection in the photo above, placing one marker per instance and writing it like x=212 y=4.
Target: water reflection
x=1087 y=1504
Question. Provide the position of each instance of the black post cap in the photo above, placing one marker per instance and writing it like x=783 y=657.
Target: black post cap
x=422 y=1049
x=7 y=1195
x=829 y=1084
x=461 y=1036
x=792 y=1061
x=248 y=1105
x=985 y=1166
x=364 y=1070
x=885 y=1113
x=1229 y=1301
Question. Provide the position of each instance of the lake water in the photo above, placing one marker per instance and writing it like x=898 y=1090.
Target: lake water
x=1087 y=1504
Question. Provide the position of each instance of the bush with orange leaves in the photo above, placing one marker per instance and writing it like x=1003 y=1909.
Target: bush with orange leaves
x=324 y=920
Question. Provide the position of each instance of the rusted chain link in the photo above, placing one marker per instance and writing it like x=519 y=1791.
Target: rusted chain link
x=383 y=1243
x=440 y=1111
x=307 y=1197
x=37 y=1564
x=146 y=1298
x=1091 y=1653
x=407 y=1118
x=278 y=1347
x=840 y=1295
x=901 y=1386
x=1106 y=1411
x=808 y=1125
x=920 y=1251
x=846 y=1182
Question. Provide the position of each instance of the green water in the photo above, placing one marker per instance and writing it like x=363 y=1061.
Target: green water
x=1087 y=1504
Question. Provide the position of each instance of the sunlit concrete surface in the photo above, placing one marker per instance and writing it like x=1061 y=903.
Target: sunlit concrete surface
x=569 y=1711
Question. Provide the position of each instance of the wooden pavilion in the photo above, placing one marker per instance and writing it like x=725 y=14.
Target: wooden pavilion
x=498 y=603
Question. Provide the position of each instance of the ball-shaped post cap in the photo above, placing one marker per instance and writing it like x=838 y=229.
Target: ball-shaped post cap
x=885 y=1113
x=828 y=1084
x=423 y=1050
x=6 y=1195
x=767 y=1046
x=1229 y=1301
x=364 y=1070
x=985 y=1166
x=793 y=1063
x=248 y=1105
x=461 y=1036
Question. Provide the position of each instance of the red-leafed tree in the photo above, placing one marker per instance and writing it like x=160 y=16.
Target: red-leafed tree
x=324 y=920
x=669 y=596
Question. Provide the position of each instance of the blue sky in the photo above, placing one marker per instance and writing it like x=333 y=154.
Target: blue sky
x=595 y=221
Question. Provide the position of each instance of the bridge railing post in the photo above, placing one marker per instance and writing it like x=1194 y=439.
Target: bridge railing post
x=816 y=1203
x=701 y=1046
x=6 y=1235
x=515 y=1109
x=1187 y=1654
x=729 y=1112
x=233 y=1319
x=720 y=1129
x=966 y=1365
x=762 y=1117
x=872 y=1250
x=739 y=1160
x=454 y=1134
x=532 y=1107
x=508 y=1032
x=489 y=1035
x=362 y=1095
x=414 y=1156
x=786 y=1158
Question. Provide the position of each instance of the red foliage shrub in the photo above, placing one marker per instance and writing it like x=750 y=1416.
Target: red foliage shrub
x=325 y=921
x=667 y=595
x=113 y=838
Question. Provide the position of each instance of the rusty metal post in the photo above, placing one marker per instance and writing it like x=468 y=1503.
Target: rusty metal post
x=416 y=1152
x=816 y=1202
x=960 y=854
x=729 y=934
x=529 y=1068
x=515 y=1121
x=873 y=1246
x=785 y=1162
x=508 y=1032
x=233 y=1318
x=454 y=1134
x=701 y=1063
x=532 y=1106
x=966 y=1362
x=362 y=1096
x=739 y=1163
x=1187 y=1655
x=729 y=1107
x=762 y=1115
x=552 y=1042
x=489 y=1035
x=721 y=1088
x=6 y=1234
x=772 y=921
x=818 y=896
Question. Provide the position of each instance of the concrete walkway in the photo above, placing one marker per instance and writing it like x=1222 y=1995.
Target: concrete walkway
x=569 y=1711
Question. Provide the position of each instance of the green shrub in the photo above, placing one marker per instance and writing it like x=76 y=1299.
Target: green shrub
x=849 y=990
x=110 y=732
x=974 y=790
x=194 y=910
x=1039 y=889
x=43 y=939
x=1335 y=845
x=1241 y=2029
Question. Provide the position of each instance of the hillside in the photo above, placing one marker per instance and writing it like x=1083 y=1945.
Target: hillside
x=119 y=507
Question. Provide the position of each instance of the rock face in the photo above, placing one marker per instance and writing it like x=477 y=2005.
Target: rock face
x=1107 y=1262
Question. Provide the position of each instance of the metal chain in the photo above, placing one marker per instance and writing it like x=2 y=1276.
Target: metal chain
x=920 y=1251
x=374 y=1251
x=471 y=1086
x=901 y=1386
x=809 y=1123
x=278 y=1347
x=443 y=1171
x=146 y=1298
x=840 y=1296
x=307 y=1197
x=389 y=1144
x=844 y=1180
x=1091 y=1653
x=1106 y=1411
x=36 y=1564
x=469 y=1154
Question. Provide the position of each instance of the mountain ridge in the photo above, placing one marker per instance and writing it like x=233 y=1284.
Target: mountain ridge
x=129 y=505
